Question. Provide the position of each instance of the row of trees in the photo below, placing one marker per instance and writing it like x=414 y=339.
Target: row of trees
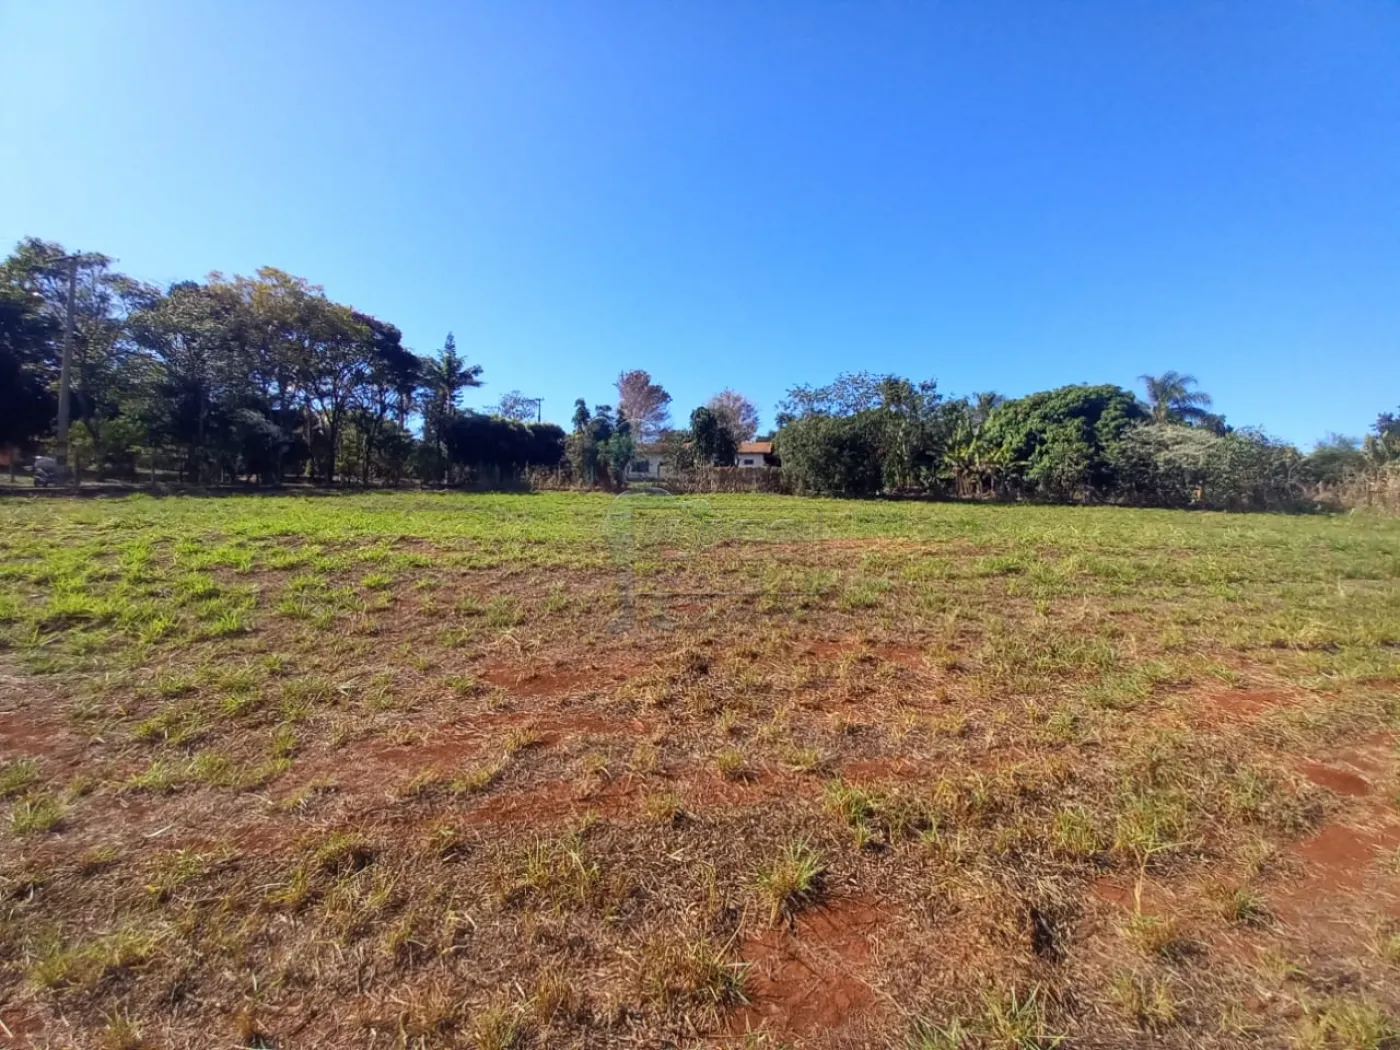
x=865 y=434
x=266 y=377
x=260 y=376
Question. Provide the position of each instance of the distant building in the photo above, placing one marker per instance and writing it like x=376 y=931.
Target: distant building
x=648 y=461
x=754 y=454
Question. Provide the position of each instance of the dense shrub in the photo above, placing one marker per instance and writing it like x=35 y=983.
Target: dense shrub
x=1074 y=443
x=490 y=442
x=832 y=455
x=1061 y=444
x=865 y=434
x=1173 y=466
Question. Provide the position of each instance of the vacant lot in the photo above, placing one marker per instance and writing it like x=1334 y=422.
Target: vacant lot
x=446 y=770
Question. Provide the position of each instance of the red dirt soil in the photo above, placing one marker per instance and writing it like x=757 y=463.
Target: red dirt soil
x=910 y=656
x=555 y=801
x=1375 y=755
x=557 y=680
x=1342 y=855
x=1347 y=888
x=24 y=733
x=1342 y=781
x=1241 y=705
x=1351 y=875
x=807 y=981
x=1121 y=891
x=20 y=1026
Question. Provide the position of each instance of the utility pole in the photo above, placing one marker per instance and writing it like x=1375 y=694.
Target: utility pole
x=66 y=370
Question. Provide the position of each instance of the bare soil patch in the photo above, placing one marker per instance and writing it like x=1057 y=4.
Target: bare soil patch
x=812 y=978
x=1342 y=855
x=555 y=801
x=1342 y=781
x=1242 y=705
x=555 y=680
x=909 y=656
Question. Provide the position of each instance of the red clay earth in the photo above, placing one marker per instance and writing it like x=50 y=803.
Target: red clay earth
x=555 y=801
x=807 y=979
x=910 y=656
x=1121 y=891
x=1245 y=704
x=1344 y=850
x=558 y=680
x=1333 y=909
x=1342 y=781
x=24 y=733
x=24 y=1028
x=1342 y=854
x=1352 y=874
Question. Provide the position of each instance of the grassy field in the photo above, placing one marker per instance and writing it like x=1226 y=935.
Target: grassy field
x=421 y=770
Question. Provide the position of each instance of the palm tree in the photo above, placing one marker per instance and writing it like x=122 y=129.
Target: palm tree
x=1172 y=399
x=447 y=375
x=982 y=405
x=444 y=378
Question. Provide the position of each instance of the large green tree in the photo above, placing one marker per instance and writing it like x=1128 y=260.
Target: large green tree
x=1168 y=465
x=195 y=379
x=1060 y=443
x=847 y=394
x=1334 y=459
x=832 y=455
x=712 y=441
x=106 y=367
x=515 y=405
x=27 y=367
x=903 y=426
x=384 y=395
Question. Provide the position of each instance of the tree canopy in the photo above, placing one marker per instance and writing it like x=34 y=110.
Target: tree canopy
x=735 y=413
x=712 y=440
x=1059 y=443
x=644 y=403
x=265 y=377
x=261 y=376
x=1171 y=398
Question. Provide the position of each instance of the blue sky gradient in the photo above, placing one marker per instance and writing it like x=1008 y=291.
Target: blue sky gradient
x=1006 y=196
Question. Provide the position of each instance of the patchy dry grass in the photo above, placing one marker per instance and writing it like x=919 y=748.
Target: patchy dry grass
x=789 y=881
x=413 y=770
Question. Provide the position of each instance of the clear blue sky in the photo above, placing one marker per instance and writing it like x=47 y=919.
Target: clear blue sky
x=1004 y=196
